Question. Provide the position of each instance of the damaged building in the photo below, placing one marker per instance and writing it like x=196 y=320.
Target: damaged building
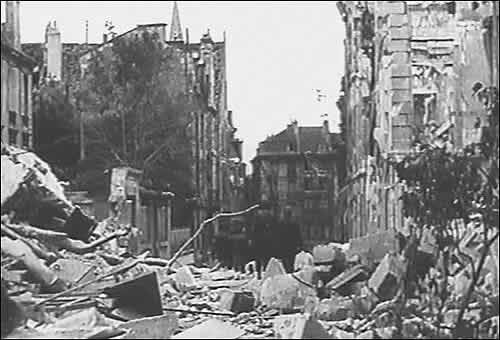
x=217 y=170
x=411 y=68
x=17 y=73
x=298 y=172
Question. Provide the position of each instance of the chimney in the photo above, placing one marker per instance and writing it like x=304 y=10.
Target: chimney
x=13 y=26
x=104 y=38
x=54 y=51
x=230 y=117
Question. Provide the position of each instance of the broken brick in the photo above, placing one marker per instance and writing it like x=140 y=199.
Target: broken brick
x=284 y=292
x=303 y=259
x=274 y=267
x=211 y=329
x=237 y=301
x=156 y=327
x=299 y=326
x=323 y=254
x=385 y=280
x=184 y=279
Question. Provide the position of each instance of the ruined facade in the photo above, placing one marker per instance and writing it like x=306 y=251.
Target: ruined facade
x=198 y=74
x=298 y=172
x=17 y=71
x=410 y=70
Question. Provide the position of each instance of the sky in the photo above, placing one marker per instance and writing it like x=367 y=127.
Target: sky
x=277 y=53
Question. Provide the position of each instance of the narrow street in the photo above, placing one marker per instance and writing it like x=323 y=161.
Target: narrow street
x=235 y=175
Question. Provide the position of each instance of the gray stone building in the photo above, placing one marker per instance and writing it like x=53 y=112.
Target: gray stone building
x=17 y=73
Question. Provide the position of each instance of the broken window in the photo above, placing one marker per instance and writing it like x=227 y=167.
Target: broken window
x=12 y=117
x=26 y=140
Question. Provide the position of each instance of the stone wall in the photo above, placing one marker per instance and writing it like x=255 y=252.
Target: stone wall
x=408 y=64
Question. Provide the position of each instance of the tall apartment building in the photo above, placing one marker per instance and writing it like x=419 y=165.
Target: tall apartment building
x=409 y=66
x=199 y=73
x=17 y=71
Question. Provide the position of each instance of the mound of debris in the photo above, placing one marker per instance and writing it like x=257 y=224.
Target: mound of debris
x=59 y=280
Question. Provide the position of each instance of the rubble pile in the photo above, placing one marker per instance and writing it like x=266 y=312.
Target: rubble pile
x=61 y=279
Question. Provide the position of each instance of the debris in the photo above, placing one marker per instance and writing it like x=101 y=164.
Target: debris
x=303 y=259
x=299 y=326
x=42 y=274
x=71 y=271
x=385 y=280
x=237 y=301
x=12 y=314
x=274 y=267
x=335 y=309
x=211 y=329
x=136 y=298
x=156 y=327
x=184 y=279
x=373 y=247
x=354 y=274
x=323 y=254
x=284 y=292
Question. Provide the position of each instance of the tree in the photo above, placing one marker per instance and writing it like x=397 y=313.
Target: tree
x=446 y=189
x=56 y=129
x=136 y=112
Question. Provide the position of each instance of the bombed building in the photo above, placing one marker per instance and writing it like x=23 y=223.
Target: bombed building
x=412 y=67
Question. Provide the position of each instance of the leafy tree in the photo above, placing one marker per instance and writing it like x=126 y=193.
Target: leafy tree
x=56 y=129
x=446 y=189
x=136 y=113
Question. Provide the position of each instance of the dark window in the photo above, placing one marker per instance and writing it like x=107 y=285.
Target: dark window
x=323 y=182
x=26 y=139
x=12 y=136
x=26 y=120
x=12 y=117
x=308 y=183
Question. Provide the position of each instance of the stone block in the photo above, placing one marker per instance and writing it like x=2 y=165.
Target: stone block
x=401 y=70
x=401 y=120
x=399 y=46
x=401 y=145
x=403 y=107
x=184 y=279
x=211 y=329
x=400 y=32
x=299 y=326
x=398 y=20
x=237 y=301
x=401 y=132
x=394 y=7
x=323 y=254
x=351 y=275
x=385 y=280
x=400 y=83
x=399 y=96
x=156 y=327
x=335 y=309
x=284 y=292
x=274 y=267
x=303 y=259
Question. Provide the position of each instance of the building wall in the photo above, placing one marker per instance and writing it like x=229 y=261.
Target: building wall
x=407 y=64
x=304 y=184
x=16 y=115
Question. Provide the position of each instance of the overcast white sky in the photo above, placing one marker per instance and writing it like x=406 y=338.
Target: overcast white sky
x=277 y=52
